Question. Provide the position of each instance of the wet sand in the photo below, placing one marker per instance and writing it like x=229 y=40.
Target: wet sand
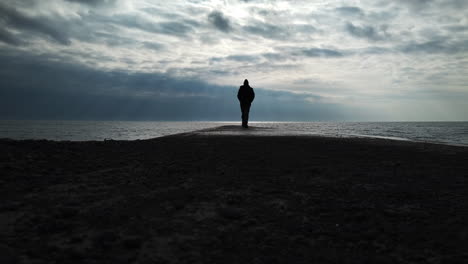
x=231 y=196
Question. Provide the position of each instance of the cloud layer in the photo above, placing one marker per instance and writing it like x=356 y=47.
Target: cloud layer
x=326 y=60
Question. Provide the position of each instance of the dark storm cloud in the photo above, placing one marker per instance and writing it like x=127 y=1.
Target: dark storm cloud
x=416 y=4
x=315 y=52
x=153 y=45
x=271 y=56
x=78 y=92
x=243 y=58
x=349 y=10
x=366 y=32
x=457 y=4
x=375 y=50
x=425 y=47
x=237 y=57
x=440 y=46
x=10 y=17
x=437 y=5
x=9 y=38
x=93 y=2
x=456 y=28
x=56 y=90
x=306 y=52
x=436 y=47
x=220 y=22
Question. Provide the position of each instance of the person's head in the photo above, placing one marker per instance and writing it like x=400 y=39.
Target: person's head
x=246 y=82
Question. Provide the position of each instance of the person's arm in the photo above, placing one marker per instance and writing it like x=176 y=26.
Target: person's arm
x=238 y=94
x=253 y=96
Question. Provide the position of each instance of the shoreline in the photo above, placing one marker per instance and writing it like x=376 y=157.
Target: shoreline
x=436 y=133
x=221 y=198
x=285 y=134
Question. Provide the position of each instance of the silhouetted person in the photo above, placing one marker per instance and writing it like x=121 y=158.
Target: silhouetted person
x=246 y=96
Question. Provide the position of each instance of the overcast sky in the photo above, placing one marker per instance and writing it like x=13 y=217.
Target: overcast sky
x=184 y=60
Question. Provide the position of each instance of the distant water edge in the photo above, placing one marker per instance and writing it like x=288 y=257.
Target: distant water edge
x=453 y=133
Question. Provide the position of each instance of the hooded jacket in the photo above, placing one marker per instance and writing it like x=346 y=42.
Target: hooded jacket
x=245 y=94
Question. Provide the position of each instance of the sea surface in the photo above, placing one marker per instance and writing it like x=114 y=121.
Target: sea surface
x=452 y=133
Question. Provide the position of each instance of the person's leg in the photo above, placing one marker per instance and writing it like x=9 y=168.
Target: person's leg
x=247 y=110
x=243 y=114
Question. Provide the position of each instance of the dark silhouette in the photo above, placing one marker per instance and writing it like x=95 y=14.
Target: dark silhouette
x=246 y=96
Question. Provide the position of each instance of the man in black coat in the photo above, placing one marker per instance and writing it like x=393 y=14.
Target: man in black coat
x=246 y=96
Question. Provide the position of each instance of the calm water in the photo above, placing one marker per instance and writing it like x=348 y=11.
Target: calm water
x=440 y=132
